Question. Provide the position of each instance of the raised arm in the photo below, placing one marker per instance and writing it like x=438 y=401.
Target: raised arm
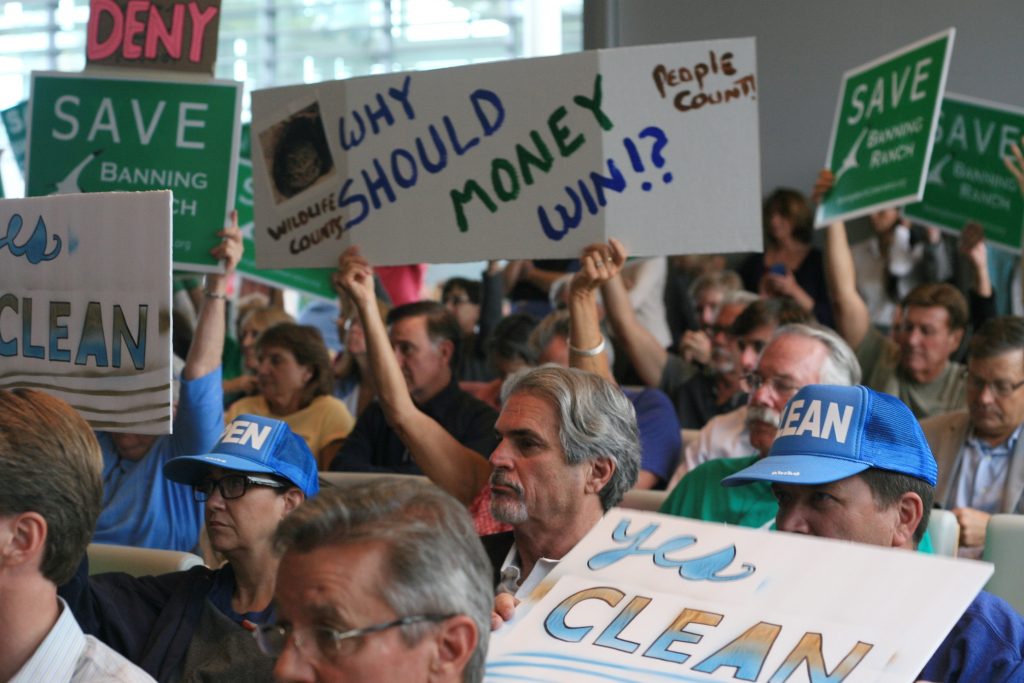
x=851 y=313
x=598 y=264
x=1015 y=165
x=459 y=470
x=204 y=356
x=646 y=354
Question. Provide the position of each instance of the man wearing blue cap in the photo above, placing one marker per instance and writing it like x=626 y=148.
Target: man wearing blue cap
x=853 y=464
x=196 y=625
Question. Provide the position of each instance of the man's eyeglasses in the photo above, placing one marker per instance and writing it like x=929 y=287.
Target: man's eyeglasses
x=231 y=486
x=999 y=387
x=323 y=642
x=781 y=387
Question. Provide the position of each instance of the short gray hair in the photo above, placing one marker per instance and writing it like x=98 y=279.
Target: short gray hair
x=434 y=561
x=841 y=366
x=595 y=420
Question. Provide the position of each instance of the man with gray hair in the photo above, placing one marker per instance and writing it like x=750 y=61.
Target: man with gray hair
x=381 y=581
x=569 y=450
x=797 y=355
x=50 y=494
x=979 y=450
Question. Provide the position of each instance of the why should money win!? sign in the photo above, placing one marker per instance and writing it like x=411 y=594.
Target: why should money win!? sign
x=85 y=304
x=92 y=134
x=526 y=158
x=967 y=179
x=883 y=129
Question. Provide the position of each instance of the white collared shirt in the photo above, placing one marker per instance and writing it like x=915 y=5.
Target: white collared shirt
x=512 y=580
x=67 y=655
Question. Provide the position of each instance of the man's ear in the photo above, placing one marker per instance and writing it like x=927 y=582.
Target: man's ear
x=910 y=510
x=456 y=640
x=446 y=347
x=23 y=539
x=601 y=471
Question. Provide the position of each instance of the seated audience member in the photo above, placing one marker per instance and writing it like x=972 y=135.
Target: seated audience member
x=421 y=417
x=875 y=486
x=508 y=350
x=790 y=266
x=353 y=381
x=978 y=450
x=655 y=366
x=401 y=566
x=140 y=506
x=915 y=365
x=797 y=355
x=251 y=323
x=476 y=306
x=50 y=491
x=683 y=270
x=726 y=435
x=569 y=451
x=528 y=284
x=295 y=382
x=195 y=625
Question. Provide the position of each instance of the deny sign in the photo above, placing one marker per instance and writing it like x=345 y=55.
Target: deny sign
x=106 y=134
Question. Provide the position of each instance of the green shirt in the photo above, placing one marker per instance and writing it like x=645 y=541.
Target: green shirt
x=700 y=495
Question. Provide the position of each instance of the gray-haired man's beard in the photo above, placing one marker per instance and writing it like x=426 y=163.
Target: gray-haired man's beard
x=505 y=508
x=764 y=414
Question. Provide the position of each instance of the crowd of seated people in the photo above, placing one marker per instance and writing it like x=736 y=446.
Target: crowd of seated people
x=532 y=415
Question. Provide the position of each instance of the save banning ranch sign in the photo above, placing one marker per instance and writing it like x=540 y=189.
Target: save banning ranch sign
x=647 y=597
x=967 y=179
x=90 y=134
x=883 y=130
x=655 y=145
x=85 y=305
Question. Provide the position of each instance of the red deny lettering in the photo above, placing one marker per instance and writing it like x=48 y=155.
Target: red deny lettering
x=139 y=29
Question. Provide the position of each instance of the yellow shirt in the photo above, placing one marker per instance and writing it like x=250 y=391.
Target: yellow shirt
x=323 y=421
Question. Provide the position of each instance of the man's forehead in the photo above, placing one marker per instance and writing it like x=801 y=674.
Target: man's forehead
x=525 y=410
x=413 y=326
x=922 y=315
x=792 y=355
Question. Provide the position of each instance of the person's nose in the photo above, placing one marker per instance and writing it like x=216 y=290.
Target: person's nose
x=291 y=666
x=791 y=518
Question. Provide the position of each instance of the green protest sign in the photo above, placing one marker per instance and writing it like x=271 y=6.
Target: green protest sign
x=967 y=180
x=313 y=281
x=111 y=134
x=16 y=124
x=881 y=138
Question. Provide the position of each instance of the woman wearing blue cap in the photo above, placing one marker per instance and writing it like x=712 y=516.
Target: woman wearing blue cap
x=196 y=624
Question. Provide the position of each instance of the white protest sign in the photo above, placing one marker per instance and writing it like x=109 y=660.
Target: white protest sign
x=85 y=304
x=528 y=158
x=651 y=597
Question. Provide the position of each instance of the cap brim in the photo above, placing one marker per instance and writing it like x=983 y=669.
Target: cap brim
x=187 y=469
x=797 y=469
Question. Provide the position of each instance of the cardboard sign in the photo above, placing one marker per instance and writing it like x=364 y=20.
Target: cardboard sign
x=527 y=158
x=313 y=281
x=967 y=180
x=883 y=130
x=15 y=122
x=111 y=134
x=85 y=305
x=179 y=35
x=647 y=597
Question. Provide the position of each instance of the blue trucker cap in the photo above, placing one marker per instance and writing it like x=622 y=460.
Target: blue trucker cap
x=251 y=443
x=828 y=433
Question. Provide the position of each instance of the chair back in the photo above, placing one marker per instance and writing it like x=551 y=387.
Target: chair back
x=104 y=557
x=944 y=531
x=1004 y=547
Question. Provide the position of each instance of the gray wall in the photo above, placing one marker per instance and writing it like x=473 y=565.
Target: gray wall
x=804 y=46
